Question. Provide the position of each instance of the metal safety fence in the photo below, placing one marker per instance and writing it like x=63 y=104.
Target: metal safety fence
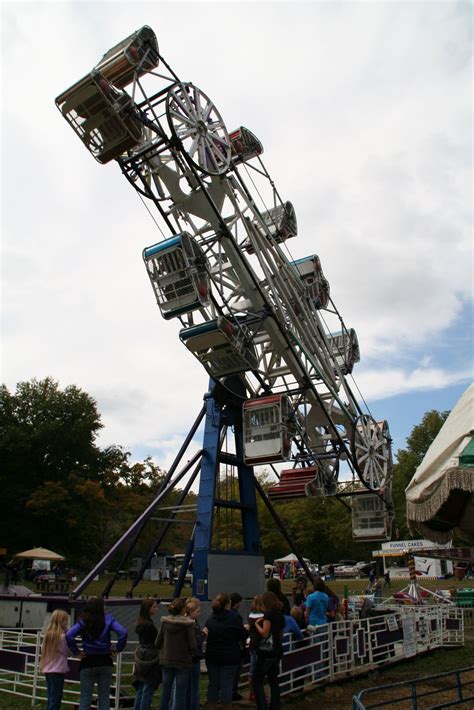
x=443 y=690
x=333 y=651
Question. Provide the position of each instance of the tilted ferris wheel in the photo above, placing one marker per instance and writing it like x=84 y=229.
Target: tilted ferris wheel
x=258 y=321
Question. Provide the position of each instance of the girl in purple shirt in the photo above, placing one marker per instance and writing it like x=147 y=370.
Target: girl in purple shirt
x=95 y=628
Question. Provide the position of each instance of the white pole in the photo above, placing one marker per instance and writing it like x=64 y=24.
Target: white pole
x=36 y=670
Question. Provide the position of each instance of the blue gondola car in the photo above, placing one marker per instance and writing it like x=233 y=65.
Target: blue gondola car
x=224 y=347
x=178 y=274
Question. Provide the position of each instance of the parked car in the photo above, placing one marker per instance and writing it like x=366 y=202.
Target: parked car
x=363 y=568
x=359 y=569
x=345 y=571
x=325 y=568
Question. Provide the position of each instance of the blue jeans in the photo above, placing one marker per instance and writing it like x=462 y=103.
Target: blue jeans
x=55 y=685
x=221 y=681
x=144 y=697
x=192 y=690
x=180 y=677
x=235 y=687
x=102 y=675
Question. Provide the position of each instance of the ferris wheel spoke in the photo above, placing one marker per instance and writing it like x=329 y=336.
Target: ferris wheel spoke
x=217 y=139
x=207 y=110
x=186 y=108
x=202 y=154
x=215 y=124
x=185 y=133
x=194 y=146
x=178 y=116
x=191 y=108
x=212 y=153
x=197 y=102
x=216 y=153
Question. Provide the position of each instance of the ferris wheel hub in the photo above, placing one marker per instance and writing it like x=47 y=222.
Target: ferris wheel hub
x=201 y=128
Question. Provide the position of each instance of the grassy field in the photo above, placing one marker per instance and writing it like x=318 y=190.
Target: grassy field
x=354 y=586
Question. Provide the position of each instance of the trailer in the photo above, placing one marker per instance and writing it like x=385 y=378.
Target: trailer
x=394 y=556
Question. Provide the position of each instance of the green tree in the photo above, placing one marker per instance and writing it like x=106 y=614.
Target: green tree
x=408 y=460
x=59 y=489
x=46 y=434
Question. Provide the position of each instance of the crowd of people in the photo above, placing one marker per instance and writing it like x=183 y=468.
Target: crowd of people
x=170 y=655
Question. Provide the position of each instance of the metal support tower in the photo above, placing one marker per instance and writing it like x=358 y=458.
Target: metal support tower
x=210 y=559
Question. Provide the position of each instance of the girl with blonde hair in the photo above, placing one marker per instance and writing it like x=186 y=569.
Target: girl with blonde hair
x=54 y=653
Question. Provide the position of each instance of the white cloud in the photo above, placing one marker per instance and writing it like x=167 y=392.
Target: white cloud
x=383 y=383
x=364 y=111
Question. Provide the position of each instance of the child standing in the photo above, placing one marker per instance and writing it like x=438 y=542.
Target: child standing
x=256 y=612
x=193 y=611
x=54 y=653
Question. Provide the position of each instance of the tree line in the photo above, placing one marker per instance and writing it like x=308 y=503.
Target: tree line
x=62 y=491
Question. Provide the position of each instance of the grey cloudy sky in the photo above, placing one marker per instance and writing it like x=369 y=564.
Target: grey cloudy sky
x=365 y=114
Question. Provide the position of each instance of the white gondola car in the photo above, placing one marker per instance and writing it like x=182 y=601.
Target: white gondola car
x=244 y=145
x=268 y=430
x=132 y=57
x=222 y=346
x=344 y=348
x=310 y=270
x=371 y=520
x=279 y=221
x=178 y=274
x=102 y=116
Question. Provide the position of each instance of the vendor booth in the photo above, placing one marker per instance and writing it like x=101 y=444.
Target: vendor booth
x=289 y=566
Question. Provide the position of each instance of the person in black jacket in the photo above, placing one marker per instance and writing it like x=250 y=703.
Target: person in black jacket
x=147 y=670
x=226 y=632
x=269 y=651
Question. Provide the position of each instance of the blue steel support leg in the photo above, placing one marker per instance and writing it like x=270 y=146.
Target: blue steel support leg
x=207 y=490
x=248 y=498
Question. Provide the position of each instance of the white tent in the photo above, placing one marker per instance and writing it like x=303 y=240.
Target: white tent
x=440 y=496
x=290 y=558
